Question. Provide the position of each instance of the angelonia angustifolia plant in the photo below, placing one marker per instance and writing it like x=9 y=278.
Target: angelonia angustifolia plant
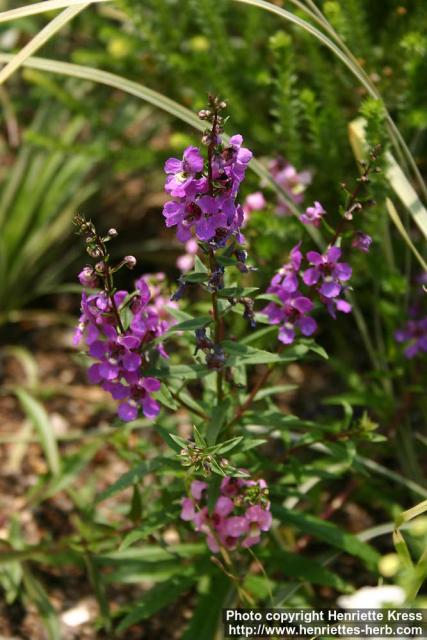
x=149 y=349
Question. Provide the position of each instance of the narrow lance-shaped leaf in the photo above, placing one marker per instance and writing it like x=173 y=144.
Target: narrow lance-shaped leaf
x=37 y=414
x=42 y=7
x=40 y=39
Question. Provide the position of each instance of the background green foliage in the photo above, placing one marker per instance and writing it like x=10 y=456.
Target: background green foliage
x=357 y=420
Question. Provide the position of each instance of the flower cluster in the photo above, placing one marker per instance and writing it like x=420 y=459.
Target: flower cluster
x=241 y=513
x=204 y=201
x=292 y=309
x=120 y=352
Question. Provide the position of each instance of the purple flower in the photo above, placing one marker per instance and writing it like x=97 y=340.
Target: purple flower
x=292 y=182
x=181 y=173
x=361 y=241
x=185 y=262
x=254 y=202
x=313 y=215
x=88 y=277
x=415 y=334
x=327 y=272
x=258 y=519
x=292 y=309
x=207 y=208
x=286 y=279
x=121 y=356
x=240 y=514
x=336 y=304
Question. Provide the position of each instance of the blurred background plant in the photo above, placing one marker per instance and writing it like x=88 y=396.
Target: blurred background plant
x=70 y=144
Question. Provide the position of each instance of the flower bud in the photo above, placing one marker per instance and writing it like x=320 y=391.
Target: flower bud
x=88 y=278
x=113 y=233
x=204 y=114
x=130 y=261
x=100 y=267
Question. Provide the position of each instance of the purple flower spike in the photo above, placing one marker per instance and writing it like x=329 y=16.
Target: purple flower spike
x=120 y=356
x=202 y=206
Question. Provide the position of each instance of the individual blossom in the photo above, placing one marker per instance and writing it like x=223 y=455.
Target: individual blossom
x=286 y=279
x=240 y=514
x=185 y=262
x=361 y=241
x=88 y=277
x=291 y=314
x=327 y=272
x=181 y=173
x=414 y=334
x=254 y=202
x=294 y=183
x=313 y=215
x=336 y=304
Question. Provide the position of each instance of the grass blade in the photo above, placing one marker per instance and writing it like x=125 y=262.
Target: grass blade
x=40 y=39
x=37 y=414
x=156 y=99
x=351 y=63
x=41 y=7
x=37 y=594
x=405 y=235
x=394 y=174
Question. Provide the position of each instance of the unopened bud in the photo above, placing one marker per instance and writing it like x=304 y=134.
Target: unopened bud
x=113 y=233
x=130 y=261
x=204 y=114
x=100 y=267
x=88 y=278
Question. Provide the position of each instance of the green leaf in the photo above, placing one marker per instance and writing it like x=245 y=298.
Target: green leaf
x=98 y=586
x=199 y=265
x=38 y=596
x=129 y=478
x=159 y=597
x=329 y=533
x=175 y=446
x=242 y=354
x=191 y=325
x=237 y=292
x=402 y=550
x=195 y=277
x=199 y=439
x=225 y=447
x=181 y=442
x=207 y=614
x=218 y=417
x=297 y=566
x=37 y=414
x=72 y=466
x=151 y=523
x=408 y=515
x=270 y=297
x=135 y=511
